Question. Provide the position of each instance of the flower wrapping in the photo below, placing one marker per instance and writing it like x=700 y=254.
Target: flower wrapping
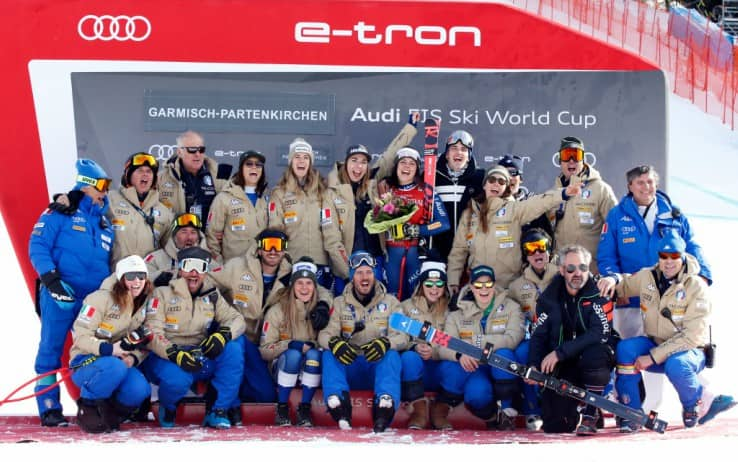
x=389 y=212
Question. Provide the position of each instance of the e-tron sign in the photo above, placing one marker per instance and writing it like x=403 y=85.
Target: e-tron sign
x=367 y=34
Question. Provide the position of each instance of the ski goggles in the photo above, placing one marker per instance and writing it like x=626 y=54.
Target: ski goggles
x=362 y=258
x=133 y=275
x=429 y=283
x=532 y=247
x=570 y=268
x=194 y=149
x=567 y=154
x=268 y=244
x=670 y=255
x=188 y=219
x=486 y=284
x=143 y=158
x=194 y=264
x=101 y=184
x=460 y=135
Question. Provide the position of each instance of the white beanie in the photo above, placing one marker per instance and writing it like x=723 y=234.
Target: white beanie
x=299 y=145
x=132 y=264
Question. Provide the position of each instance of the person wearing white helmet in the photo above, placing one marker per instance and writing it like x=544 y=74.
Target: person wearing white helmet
x=109 y=344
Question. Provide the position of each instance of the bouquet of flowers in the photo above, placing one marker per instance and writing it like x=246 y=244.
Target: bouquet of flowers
x=389 y=212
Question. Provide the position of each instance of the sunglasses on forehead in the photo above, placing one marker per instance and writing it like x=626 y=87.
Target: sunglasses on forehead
x=101 y=184
x=568 y=154
x=268 y=244
x=362 y=259
x=572 y=268
x=429 y=283
x=143 y=158
x=670 y=255
x=196 y=264
x=194 y=149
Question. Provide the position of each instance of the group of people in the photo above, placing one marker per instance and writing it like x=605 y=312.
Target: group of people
x=186 y=275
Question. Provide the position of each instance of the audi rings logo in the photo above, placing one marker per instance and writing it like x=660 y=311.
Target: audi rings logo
x=589 y=158
x=120 y=28
x=162 y=152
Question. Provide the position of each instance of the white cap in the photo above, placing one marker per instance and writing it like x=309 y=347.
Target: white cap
x=132 y=264
x=407 y=151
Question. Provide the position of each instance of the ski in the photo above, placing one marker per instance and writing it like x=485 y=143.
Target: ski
x=426 y=331
x=430 y=156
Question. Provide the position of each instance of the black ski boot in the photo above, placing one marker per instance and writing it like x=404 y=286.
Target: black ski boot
x=384 y=411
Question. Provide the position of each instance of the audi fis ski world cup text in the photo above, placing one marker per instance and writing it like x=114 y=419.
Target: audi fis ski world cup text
x=370 y=34
x=564 y=118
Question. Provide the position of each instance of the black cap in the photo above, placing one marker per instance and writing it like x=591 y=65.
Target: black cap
x=251 y=153
x=571 y=142
x=193 y=252
x=509 y=162
x=358 y=149
x=271 y=232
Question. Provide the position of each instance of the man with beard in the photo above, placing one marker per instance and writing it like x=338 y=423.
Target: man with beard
x=573 y=340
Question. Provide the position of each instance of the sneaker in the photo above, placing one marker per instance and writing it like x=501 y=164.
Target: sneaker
x=340 y=410
x=282 y=419
x=533 y=423
x=234 y=416
x=54 y=418
x=721 y=403
x=166 y=417
x=690 y=416
x=384 y=411
x=506 y=419
x=217 y=418
x=626 y=426
x=588 y=426
x=304 y=415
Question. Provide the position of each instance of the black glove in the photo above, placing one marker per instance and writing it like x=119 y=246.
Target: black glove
x=136 y=339
x=298 y=345
x=375 y=349
x=162 y=280
x=188 y=361
x=342 y=350
x=319 y=316
x=73 y=197
x=62 y=294
x=213 y=345
x=411 y=120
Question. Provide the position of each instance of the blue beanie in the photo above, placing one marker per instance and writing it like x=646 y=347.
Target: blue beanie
x=88 y=172
x=672 y=242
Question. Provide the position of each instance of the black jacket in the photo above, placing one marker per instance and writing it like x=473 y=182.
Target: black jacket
x=570 y=324
x=455 y=192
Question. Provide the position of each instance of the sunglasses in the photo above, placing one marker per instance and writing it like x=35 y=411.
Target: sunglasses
x=133 y=275
x=429 y=283
x=581 y=267
x=254 y=163
x=479 y=285
x=513 y=171
x=362 y=259
x=143 y=158
x=188 y=219
x=568 y=154
x=101 y=184
x=194 y=149
x=194 y=264
x=496 y=179
x=532 y=248
x=272 y=243
x=460 y=135
x=670 y=255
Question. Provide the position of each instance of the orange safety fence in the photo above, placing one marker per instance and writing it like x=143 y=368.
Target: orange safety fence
x=699 y=59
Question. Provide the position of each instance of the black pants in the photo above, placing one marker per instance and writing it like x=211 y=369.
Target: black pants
x=591 y=368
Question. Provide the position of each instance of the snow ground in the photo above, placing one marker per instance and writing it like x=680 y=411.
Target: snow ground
x=701 y=179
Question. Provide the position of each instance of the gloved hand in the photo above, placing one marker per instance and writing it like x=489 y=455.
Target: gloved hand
x=413 y=118
x=136 y=339
x=375 y=349
x=359 y=326
x=188 y=361
x=342 y=350
x=319 y=316
x=67 y=204
x=59 y=290
x=162 y=280
x=213 y=345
